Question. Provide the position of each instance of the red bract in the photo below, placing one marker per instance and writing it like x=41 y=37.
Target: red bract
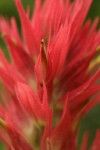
x=49 y=85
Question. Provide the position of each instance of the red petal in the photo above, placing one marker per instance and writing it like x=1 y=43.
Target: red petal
x=29 y=101
x=28 y=31
x=62 y=136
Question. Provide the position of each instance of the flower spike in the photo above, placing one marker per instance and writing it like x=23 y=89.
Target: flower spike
x=52 y=79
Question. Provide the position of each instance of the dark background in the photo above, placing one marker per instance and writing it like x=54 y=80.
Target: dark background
x=8 y=9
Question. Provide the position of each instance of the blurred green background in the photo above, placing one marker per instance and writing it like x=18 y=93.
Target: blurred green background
x=8 y=9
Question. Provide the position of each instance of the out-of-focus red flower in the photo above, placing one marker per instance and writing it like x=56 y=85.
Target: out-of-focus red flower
x=49 y=85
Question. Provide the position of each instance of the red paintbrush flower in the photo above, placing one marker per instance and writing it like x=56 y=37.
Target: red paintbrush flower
x=49 y=84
